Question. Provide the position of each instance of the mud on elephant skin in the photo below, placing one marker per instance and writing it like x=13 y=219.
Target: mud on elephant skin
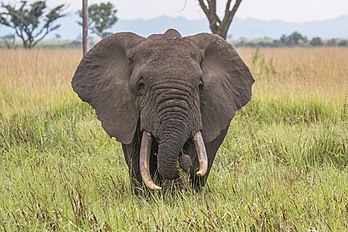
x=166 y=98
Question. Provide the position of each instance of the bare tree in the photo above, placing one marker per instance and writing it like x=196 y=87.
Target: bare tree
x=84 y=26
x=218 y=26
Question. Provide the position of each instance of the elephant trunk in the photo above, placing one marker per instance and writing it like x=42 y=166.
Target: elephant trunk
x=173 y=137
x=176 y=121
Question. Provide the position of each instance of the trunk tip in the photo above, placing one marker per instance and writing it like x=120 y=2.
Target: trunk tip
x=168 y=173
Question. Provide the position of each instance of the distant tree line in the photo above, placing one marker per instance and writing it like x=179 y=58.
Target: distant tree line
x=32 y=22
x=295 y=39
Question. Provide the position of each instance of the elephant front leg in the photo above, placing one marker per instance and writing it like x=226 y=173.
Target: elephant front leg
x=212 y=147
x=131 y=154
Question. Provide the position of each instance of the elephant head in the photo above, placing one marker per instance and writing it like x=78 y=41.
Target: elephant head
x=173 y=89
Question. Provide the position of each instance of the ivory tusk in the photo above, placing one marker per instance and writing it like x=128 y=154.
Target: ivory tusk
x=202 y=154
x=144 y=161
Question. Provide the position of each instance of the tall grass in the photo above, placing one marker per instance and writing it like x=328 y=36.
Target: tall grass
x=282 y=166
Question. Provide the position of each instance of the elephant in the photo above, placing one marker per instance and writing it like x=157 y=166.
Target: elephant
x=168 y=99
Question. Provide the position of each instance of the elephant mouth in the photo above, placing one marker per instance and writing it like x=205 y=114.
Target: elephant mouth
x=144 y=161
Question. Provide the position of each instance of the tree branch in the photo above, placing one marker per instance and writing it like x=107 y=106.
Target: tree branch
x=212 y=7
x=204 y=7
x=48 y=30
x=229 y=14
x=209 y=9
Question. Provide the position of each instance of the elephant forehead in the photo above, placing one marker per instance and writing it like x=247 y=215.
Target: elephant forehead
x=161 y=48
x=174 y=68
x=166 y=56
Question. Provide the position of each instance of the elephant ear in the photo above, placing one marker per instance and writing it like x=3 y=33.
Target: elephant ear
x=102 y=80
x=227 y=83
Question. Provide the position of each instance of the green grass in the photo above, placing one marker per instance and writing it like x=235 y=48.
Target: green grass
x=283 y=166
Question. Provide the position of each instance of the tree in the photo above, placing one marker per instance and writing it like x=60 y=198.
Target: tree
x=343 y=43
x=217 y=26
x=101 y=17
x=331 y=43
x=316 y=42
x=31 y=22
x=295 y=39
x=9 y=40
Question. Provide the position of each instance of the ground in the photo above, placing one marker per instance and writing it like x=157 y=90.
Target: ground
x=283 y=165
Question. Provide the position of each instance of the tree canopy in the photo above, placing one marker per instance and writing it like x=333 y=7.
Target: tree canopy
x=295 y=39
x=101 y=17
x=316 y=42
x=31 y=22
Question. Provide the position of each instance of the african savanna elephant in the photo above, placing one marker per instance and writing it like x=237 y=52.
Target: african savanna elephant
x=168 y=99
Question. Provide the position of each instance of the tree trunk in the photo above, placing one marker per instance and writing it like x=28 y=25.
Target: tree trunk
x=101 y=34
x=217 y=26
x=25 y=44
x=84 y=26
x=219 y=30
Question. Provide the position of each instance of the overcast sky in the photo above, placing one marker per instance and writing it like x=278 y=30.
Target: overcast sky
x=286 y=10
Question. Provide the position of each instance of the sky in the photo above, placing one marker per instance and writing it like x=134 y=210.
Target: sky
x=285 y=10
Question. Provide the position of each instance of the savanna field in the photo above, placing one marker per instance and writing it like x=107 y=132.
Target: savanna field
x=283 y=165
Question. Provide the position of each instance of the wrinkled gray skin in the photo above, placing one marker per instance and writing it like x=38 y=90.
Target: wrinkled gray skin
x=170 y=86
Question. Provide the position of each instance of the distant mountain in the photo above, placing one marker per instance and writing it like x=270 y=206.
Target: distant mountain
x=248 y=28
x=254 y=28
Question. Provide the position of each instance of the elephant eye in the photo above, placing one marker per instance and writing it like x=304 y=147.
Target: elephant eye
x=141 y=87
x=141 y=83
x=200 y=85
